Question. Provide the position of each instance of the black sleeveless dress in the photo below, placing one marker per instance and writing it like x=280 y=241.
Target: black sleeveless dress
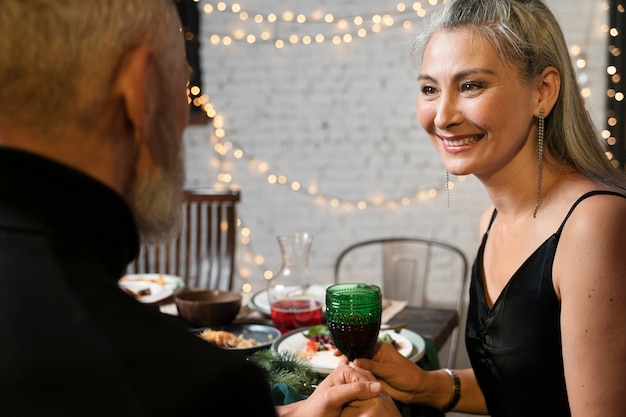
x=515 y=347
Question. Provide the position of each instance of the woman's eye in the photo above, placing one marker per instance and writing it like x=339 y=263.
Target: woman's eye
x=427 y=90
x=471 y=86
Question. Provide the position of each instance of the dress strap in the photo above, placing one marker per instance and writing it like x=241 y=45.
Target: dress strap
x=583 y=197
x=493 y=217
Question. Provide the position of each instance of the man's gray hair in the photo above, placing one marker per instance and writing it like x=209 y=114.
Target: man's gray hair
x=59 y=57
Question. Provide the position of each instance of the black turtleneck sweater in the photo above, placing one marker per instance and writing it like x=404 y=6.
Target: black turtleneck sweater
x=71 y=342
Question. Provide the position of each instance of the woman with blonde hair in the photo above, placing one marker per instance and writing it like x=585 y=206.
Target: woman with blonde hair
x=545 y=336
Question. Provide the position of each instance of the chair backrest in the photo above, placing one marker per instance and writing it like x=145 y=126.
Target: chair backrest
x=422 y=272
x=204 y=253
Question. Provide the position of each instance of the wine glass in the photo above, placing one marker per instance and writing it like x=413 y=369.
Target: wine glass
x=353 y=313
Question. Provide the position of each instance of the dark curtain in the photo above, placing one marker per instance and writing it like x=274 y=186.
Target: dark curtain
x=188 y=11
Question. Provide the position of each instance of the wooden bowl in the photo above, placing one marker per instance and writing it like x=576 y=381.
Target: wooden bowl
x=201 y=308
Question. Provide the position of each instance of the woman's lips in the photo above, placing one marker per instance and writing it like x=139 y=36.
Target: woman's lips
x=453 y=142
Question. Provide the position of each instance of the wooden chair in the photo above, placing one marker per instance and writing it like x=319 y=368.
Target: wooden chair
x=422 y=272
x=204 y=253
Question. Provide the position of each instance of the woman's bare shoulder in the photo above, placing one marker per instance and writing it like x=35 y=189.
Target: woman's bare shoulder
x=592 y=239
x=598 y=212
x=485 y=218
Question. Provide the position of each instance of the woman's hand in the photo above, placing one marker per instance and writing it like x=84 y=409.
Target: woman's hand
x=400 y=376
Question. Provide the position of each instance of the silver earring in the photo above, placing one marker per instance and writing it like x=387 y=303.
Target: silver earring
x=540 y=136
x=448 y=188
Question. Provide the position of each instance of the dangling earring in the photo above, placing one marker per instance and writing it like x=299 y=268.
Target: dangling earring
x=540 y=134
x=448 y=188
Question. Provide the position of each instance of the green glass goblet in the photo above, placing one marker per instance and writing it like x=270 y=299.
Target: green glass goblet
x=353 y=312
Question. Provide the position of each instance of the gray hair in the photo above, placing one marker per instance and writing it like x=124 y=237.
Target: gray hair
x=526 y=33
x=59 y=57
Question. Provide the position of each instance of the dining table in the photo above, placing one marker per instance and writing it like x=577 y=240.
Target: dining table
x=434 y=324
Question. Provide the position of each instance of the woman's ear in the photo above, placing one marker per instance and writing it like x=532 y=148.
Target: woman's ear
x=131 y=86
x=549 y=86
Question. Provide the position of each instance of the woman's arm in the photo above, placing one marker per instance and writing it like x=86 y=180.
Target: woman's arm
x=590 y=278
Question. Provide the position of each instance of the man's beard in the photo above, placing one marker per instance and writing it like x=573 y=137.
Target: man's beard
x=156 y=199
x=156 y=191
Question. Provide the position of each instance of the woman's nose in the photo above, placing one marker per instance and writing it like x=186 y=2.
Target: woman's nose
x=447 y=112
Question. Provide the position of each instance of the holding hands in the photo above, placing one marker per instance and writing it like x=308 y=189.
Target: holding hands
x=348 y=391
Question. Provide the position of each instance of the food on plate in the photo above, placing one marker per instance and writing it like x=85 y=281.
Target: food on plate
x=320 y=340
x=386 y=338
x=144 y=292
x=226 y=339
x=160 y=279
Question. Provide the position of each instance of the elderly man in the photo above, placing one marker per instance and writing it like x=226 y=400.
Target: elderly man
x=93 y=107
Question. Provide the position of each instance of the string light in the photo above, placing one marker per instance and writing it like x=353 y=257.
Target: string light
x=339 y=30
x=333 y=29
x=615 y=95
x=225 y=147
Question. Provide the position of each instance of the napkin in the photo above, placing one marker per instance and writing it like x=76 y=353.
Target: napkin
x=169 y=308
x=283 y=394
x=390 y=309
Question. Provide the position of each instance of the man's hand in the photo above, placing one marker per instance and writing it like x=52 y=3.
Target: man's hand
x=345 y=385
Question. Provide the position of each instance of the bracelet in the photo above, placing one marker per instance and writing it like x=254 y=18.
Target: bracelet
x=456 y=395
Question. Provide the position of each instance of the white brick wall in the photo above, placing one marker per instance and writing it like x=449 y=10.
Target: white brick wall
x=341 y=118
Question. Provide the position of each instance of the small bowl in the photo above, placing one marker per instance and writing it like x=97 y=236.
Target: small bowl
x=208 y=307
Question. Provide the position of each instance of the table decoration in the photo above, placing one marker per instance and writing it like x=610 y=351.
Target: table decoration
x=288 y=370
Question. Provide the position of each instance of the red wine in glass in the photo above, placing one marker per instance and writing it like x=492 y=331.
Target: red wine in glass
x=353 y=315
x=354 y=341
x=291 y=314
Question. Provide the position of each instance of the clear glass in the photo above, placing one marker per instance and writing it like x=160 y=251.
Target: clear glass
x=353 y=315
x=296 y=298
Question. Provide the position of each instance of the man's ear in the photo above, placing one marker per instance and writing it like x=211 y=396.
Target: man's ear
x=549 y=88
x=131 y=86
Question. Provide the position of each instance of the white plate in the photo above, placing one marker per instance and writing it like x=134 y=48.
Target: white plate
x=161 y=286
x=260 y=301
x=264 y=335
x=411 y=344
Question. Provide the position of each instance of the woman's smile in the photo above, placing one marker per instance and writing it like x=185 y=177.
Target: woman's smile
x=457 y=141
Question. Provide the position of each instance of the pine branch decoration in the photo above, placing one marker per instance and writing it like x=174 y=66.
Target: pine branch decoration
x=286 y=368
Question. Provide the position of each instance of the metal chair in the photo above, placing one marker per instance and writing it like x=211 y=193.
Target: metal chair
x=204 y=253
x=422 y=272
